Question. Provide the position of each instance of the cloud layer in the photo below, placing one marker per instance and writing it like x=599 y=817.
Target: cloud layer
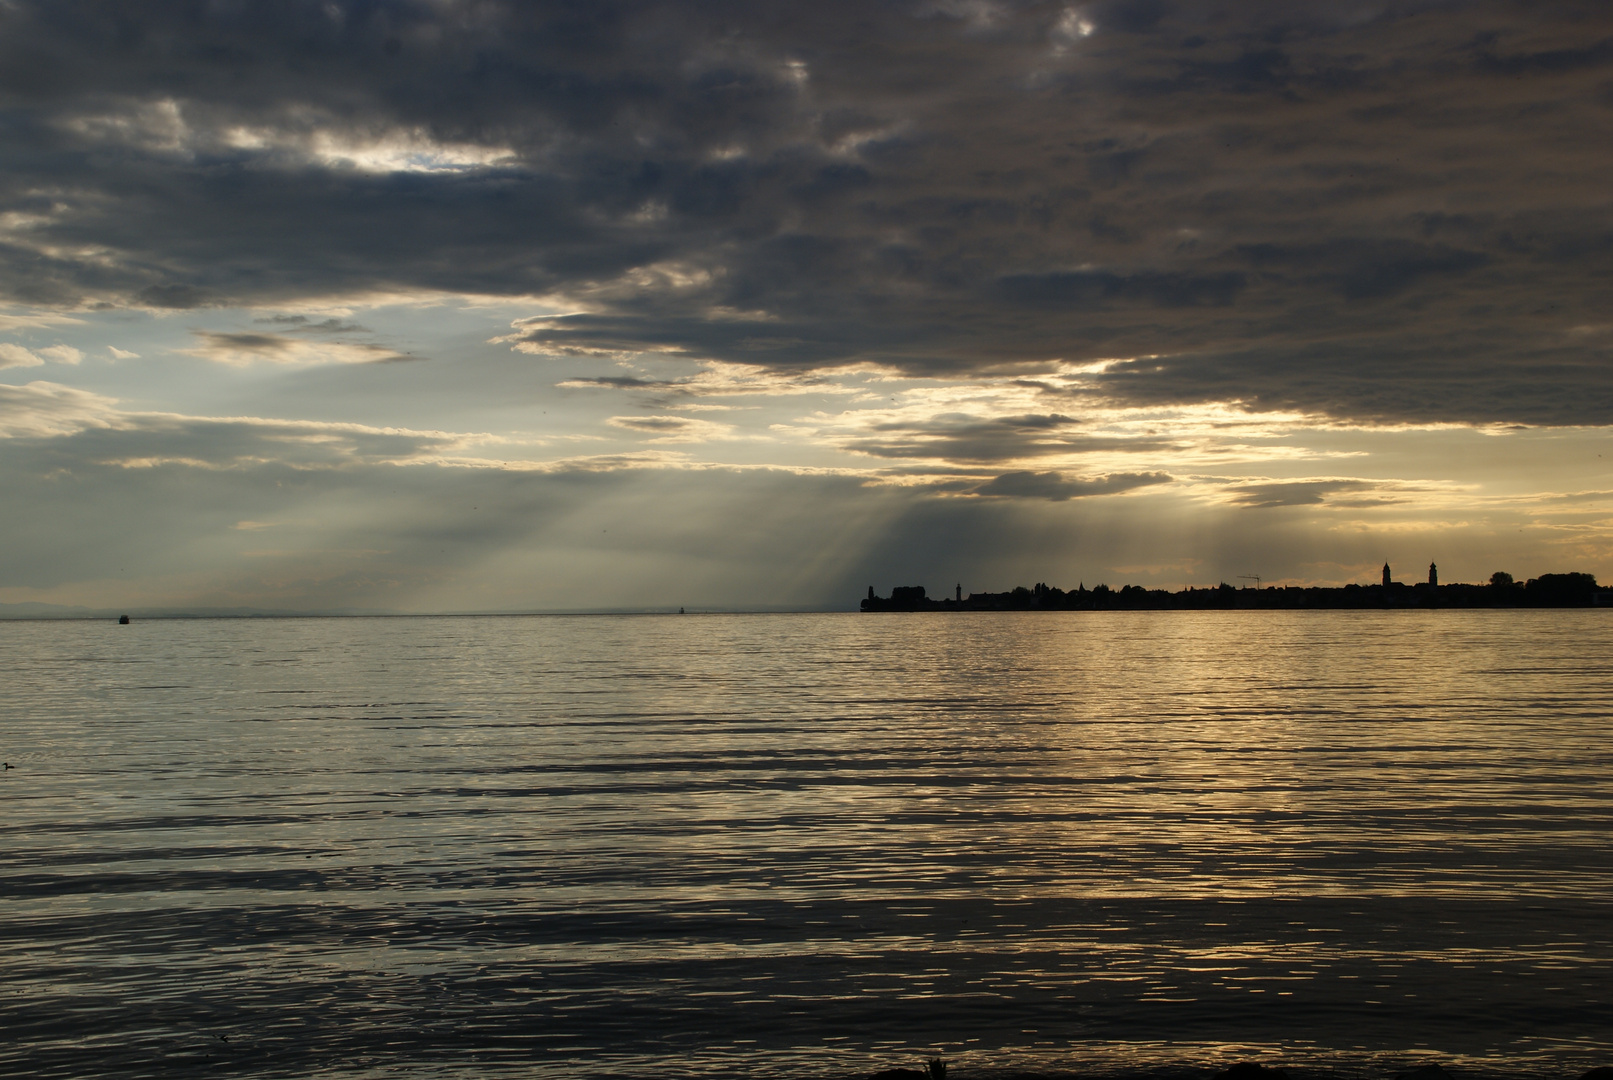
x=1383 y=213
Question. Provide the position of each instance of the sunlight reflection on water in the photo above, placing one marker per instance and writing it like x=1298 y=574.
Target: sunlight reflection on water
x=806 y=844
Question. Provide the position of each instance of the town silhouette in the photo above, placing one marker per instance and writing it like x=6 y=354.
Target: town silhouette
x=1501 y=591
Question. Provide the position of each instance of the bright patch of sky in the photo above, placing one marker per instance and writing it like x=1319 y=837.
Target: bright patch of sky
x=432 y=383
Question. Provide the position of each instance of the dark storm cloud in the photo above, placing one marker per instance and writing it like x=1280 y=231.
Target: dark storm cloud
x=1362 y=270
x=1383 y=213
x=1097 y=290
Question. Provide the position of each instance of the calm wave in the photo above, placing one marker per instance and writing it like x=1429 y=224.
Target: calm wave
x=807 y=844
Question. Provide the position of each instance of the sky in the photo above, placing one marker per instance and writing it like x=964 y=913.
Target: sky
x=466 y=305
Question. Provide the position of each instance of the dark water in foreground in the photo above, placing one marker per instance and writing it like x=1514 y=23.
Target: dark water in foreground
x=806 y=845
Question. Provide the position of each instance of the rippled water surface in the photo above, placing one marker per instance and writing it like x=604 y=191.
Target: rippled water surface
x=806 y=845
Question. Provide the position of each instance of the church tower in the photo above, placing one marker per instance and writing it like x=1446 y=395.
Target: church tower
x=1433 y=575
x=1386 y=575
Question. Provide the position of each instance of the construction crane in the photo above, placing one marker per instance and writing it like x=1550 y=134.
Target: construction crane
x=1252 y=577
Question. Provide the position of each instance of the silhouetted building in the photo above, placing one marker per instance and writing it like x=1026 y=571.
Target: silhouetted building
x=1433 y=575
x=960 y=592
x=912 y=595
x=1386 y=575
x=870 y=592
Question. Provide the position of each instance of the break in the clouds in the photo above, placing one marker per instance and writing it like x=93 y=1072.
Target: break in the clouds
x=1326 y=269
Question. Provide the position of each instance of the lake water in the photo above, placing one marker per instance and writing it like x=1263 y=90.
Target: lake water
x=807 y=845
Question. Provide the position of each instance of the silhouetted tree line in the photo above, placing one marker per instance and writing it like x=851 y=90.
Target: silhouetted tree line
x=1545 y=591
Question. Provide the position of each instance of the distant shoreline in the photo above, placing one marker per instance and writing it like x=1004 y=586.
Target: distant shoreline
x=1574 y=590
